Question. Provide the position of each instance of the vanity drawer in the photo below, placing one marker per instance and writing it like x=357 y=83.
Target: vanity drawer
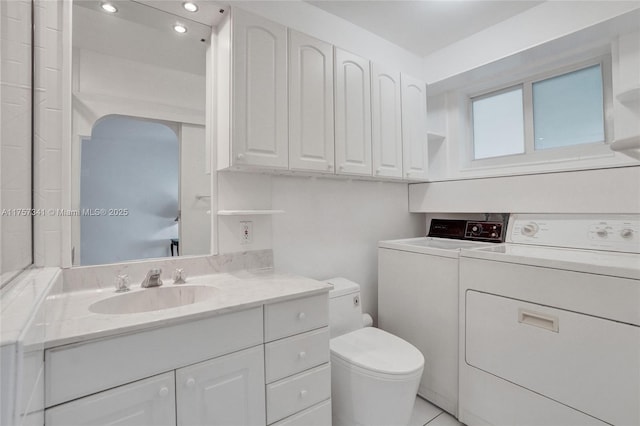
x=295 y=316
x=76 y=370
x=318 y=415
x=293 y=394
x=292 y=355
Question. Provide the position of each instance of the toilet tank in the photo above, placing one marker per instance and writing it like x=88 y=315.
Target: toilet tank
x=345 y=312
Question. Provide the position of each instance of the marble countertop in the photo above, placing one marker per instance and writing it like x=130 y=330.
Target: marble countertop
x=21 y=302
x=69 y=319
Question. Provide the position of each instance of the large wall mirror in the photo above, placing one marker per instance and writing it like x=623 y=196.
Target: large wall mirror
x=141 y=165
x=16 y=142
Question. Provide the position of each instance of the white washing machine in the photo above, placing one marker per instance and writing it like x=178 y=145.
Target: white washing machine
x=550 y=323
x=418 y=298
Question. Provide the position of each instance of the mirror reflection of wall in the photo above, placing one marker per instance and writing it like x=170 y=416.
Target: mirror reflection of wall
x=133 y=163
x=16 y=138
x=131 y=70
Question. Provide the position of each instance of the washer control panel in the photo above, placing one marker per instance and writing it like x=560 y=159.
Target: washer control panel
x=484 y=231
x=602 y=232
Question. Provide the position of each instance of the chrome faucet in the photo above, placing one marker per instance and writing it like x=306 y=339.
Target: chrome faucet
x=152 y=279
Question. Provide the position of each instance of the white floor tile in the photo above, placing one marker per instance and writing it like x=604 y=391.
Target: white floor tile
x=444 y=419
x=423 y=412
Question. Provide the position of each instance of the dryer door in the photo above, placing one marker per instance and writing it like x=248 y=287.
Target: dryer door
x=588 y=363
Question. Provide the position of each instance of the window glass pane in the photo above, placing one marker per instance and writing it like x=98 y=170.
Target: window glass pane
x=568 y=109
x=498 y=125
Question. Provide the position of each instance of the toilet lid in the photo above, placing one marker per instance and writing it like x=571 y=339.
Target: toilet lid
x=376 y=350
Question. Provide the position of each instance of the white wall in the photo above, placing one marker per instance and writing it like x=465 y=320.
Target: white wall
x=244 y=191
x=332 y=226
x=614 y=190
x=546 y=22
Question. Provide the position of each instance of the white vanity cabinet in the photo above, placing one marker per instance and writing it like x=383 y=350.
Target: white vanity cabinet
x=208 y=371
x=252 y=84
x=414 y=129
x=311 y=131
x=386 y=111
x=298 y=377
x=353 y=114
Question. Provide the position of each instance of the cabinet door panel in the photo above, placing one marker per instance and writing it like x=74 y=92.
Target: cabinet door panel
x=259 y=134
x=311 y=138
x=386 y=121
x=223 y=391
x=146 y=402
x=414 y=128
x=353 y=114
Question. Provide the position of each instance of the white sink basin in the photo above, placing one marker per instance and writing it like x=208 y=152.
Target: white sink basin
x=153 y=299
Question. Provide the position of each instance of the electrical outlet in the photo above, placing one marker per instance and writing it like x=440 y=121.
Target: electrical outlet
x=246 y=232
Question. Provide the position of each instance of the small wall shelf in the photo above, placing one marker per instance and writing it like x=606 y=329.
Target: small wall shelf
x=247 y=212
x=435 y=137
x=629 y=95
x=628 y=146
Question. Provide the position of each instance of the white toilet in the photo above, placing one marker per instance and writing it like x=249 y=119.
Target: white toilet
x=374 y=374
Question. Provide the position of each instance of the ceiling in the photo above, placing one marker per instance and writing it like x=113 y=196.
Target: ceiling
x=424 y=26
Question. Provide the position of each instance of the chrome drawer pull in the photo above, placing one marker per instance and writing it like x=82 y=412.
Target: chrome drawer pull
x=535 y=319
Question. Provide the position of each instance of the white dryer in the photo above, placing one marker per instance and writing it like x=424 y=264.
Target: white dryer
x=550 y=323
x=418 y=298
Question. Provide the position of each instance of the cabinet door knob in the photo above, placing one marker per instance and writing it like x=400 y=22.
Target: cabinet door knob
x=378 y=171
x=302 y=316
x=341 y=167
x=329 y=167
x=190 y=382
x=240 y=156
x=164 y=391
x=302 y=355
x=303 y=393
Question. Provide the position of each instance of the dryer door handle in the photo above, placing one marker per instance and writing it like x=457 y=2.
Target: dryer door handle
x=548 y=322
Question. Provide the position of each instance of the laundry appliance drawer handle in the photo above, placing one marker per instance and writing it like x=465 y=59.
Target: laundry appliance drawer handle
x=536 y=319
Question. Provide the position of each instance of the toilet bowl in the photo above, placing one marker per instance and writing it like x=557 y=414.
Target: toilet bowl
x=374 y=374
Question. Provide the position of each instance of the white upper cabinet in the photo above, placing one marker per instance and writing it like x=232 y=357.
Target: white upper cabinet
x=286 y=100
x=386 y=114
x=311 y=138
x=259 y=91
x=353 y=114
x=414 y=129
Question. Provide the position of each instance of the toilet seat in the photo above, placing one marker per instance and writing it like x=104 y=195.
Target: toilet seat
x=378 y=352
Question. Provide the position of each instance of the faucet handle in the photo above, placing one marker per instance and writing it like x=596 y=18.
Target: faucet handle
x=122 y=283
x=179 y=276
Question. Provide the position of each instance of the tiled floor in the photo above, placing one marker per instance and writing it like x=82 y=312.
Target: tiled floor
x=425 y=413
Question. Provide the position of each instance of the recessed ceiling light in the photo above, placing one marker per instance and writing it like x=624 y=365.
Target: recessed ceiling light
x=190 y=6
x=179 y=28
x=108 y=7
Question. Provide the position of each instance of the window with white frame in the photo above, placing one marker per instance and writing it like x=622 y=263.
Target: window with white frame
x=556 y=115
